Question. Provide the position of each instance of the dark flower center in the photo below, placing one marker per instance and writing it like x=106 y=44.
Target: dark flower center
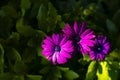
x=57 y=49
x=77 y=39
x=99 y=48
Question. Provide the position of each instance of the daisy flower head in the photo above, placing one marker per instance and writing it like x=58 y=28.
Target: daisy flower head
x=82 y=37
x=100 y=49
x=57 y=48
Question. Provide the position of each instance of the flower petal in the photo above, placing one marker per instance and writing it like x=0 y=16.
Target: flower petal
x=90 y=35
x=65 y=54
x=76 y=29
x=47 y=53
x=61 y=60
x=56 y=38
x=63 y=41
x=92 y=55
x=68 y=46
x=54 y=57
x=82 y=28
x=87 y=31
x=68 y=31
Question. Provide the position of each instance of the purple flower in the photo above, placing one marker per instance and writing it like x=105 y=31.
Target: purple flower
x=57 y=49
x=100 y=49
x=83 y=38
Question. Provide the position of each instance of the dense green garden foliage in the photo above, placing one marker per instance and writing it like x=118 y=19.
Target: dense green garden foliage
x=25 y=23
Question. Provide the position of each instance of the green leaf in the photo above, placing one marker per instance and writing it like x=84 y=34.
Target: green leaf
x=13 y=54
x=47 y=17
x=41 y=17
x=114 y=69
x=18 y=77
x=51 y=73
x=91 y=72
x=8 y=23
x=37 y=39
x=24 y=29
x=34 y=77
x=86 y=58
x=63 y=68
x=70 y=75
x=20 y=68
x=114 y=55
x=111 y=26
x=45 y=70
x=28 y=55
x=25 y=4
x=1 y=59
x=57 y=72
x=13 y=39
x=103 y=71
x=52 y=17
x=10 y=11
x=6 y=76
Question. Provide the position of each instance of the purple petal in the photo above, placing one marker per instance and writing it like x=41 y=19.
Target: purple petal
x=87 y=31
x=82 y=27
x=87 y=42
x=65 y=54
x=83 y=51
x=54 y=57
x=89 y=35
x=63 y=41
x=48 y=42
x=76 y=27
x=49 y=58
x=92 y=55
x=56 y=38
x=105 y=51
x=85 y=47
x=47 y=53
x=61 y=60
x=101 y=56
x=48 y=48
x=68 y=31
x=68 y=46
x=104 y=40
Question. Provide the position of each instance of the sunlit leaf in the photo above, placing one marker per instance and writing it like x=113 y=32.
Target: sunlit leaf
x=91 y=72
x=86 y=58
x=103 y=71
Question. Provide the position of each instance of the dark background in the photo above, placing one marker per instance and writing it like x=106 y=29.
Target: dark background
x=25 y=23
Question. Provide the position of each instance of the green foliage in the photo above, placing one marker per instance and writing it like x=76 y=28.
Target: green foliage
x=1 y=59
x=92 y=69
x=25 y=23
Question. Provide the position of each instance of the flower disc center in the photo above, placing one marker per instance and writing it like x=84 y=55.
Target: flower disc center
x=99 y=49
x=77 y=39
x=57 y=49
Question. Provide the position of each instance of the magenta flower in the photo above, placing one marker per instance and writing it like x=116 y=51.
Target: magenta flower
x=57 y=49
x=100 y=49
x=83 y=38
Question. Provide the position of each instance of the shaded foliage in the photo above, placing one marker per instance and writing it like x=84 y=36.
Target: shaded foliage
x=25 y=23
